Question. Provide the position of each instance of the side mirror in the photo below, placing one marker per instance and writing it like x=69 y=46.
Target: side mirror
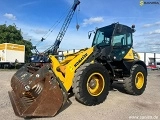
x=90 y=33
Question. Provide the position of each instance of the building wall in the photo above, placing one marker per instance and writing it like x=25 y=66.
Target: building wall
x=142 y=57
x=150 y=58
x=10 y=52
x=157 y=57
x=12 y=55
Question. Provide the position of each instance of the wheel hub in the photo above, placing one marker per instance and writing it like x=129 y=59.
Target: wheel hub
x=92 y=84
x=139 y=80
x=95 y=84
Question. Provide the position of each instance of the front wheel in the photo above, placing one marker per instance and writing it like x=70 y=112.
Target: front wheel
x=91 y=84
x=137 y=81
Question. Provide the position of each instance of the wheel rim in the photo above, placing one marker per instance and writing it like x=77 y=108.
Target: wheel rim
x=139 y=80
x=95 y=84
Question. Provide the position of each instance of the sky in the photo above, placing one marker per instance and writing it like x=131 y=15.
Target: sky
x=37 y=18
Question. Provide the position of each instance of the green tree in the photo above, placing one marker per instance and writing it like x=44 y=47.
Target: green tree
x=10 y=34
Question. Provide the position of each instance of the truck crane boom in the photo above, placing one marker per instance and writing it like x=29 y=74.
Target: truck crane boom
x=55 y=46
x=53 y=49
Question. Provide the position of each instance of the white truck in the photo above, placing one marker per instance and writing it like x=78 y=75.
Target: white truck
x=11 y=55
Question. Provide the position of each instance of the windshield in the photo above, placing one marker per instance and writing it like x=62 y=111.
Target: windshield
x=122 y=39
x=103 y=36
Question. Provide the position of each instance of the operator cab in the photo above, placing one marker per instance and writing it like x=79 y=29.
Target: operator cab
x=115 y=38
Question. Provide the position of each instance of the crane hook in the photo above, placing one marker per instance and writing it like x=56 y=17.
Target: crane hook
x=77 y=27
x=42 y=39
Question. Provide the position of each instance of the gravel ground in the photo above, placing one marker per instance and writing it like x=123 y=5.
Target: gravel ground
x=118 y=105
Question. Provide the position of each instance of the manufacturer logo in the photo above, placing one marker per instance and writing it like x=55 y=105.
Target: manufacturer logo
x=142 y=2
x=80 y=60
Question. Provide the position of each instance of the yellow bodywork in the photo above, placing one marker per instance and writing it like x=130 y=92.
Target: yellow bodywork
x=65 y=69
x=129 y=55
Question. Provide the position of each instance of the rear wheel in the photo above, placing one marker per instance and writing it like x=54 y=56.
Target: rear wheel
x=137 y=81
x=91 y=84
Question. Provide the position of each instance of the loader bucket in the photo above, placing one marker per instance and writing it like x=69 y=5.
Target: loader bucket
x=36 y=92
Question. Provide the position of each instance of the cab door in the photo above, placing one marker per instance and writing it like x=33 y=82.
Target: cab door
x=122 y=44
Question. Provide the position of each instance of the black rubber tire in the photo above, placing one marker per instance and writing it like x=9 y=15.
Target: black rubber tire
x=80 y=84
x=129 y=83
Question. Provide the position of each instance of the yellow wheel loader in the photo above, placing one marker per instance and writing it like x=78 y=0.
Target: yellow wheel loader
x=43 y=90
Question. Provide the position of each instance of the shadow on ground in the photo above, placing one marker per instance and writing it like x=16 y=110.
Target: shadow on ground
x=118 y=86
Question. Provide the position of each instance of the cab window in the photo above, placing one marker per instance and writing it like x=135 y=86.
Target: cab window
x=122 y=40
x=101 y=39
